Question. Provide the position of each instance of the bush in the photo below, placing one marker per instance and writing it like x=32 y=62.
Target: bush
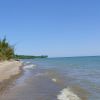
x=6 y=50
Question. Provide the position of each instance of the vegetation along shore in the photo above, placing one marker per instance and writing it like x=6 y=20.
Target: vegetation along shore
x=10 y=64
x=9 y=67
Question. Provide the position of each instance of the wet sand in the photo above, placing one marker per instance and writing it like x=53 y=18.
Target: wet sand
x=9 y=70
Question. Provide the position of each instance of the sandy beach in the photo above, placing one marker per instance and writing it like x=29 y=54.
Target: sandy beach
x=8 y=71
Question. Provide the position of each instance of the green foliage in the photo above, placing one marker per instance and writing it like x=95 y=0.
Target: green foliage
x=6 y=50
x=29 y=57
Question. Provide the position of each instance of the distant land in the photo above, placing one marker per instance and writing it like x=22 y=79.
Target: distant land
x=29 y=56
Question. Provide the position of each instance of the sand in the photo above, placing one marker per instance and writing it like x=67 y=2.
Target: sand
x=8 y=69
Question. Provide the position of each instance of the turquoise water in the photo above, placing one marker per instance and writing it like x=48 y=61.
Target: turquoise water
x=68 y=78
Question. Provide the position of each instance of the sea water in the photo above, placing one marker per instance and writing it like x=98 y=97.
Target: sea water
x=66 y=78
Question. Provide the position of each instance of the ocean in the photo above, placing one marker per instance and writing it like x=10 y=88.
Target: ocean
x=65 y=78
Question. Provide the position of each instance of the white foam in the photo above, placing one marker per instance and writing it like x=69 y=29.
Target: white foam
x=31 y=66
x=27 y=62
x=54 y=80
x=67 y=94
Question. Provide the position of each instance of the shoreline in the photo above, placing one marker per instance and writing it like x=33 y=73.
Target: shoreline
x=9 y=71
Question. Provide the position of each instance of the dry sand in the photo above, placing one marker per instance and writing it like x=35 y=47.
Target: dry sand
x=8 y=69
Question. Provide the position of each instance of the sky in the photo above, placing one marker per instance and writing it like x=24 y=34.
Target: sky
x=57 y=28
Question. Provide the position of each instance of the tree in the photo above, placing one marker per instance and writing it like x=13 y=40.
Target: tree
x=6 y=50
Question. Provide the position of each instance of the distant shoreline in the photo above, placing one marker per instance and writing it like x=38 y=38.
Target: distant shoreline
x=29 y=56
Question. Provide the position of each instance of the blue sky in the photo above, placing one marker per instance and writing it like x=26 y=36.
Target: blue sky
x=52 y=27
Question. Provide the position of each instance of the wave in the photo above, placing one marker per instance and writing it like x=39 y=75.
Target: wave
x=31 y=66
x=27 y=62
x=67 y=94
x=54 y=80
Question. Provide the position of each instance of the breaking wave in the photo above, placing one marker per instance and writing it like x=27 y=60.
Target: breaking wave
x=31 y=66
x=67 y=94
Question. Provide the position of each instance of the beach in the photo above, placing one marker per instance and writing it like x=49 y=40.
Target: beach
x=67 y=78
x=8 y=71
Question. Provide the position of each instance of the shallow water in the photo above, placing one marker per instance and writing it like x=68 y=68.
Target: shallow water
x=73 y=78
